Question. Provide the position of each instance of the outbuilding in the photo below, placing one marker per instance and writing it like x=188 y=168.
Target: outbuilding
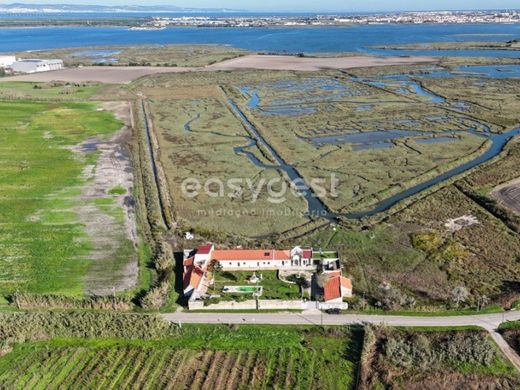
x=7 y=61
x=36 y=65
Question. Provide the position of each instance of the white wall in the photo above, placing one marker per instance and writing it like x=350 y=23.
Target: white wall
x=6 y=61
x=265 y=304
x=260 y=265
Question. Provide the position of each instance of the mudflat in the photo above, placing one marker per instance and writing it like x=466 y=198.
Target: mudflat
x=126 y=74
x=100 y=74
x=275 y=62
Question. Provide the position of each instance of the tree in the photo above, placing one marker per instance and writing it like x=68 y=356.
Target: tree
x=482 y=301
x=215 y=266
x=459 y=294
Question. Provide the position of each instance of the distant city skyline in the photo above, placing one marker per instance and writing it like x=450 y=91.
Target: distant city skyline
x=303 y=5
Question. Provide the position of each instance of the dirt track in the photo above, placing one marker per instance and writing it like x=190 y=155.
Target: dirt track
x=126 y=74
x=509 y=195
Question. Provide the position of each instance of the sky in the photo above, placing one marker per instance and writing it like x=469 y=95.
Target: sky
x=305 y=5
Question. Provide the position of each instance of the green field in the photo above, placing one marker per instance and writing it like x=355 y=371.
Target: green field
x=273 y=288
x=44 y=246
x=13 y=90
x=198 y=357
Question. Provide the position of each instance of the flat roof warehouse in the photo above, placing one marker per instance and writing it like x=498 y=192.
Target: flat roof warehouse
x=31 y=65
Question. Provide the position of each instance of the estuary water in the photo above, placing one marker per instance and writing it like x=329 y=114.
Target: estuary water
x=359 y=38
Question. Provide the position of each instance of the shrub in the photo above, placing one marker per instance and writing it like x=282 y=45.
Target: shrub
x=418 y=350
x=33 y=326
x=28 y=301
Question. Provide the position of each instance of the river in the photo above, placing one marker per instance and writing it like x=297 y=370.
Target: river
x=359 y=38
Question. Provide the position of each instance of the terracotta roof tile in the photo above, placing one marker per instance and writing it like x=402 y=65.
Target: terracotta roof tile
x=204 y=249
x=346 y=282
x=332 y=289
x=193 y=277
x=251 y=254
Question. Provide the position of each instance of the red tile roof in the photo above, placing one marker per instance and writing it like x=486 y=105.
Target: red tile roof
x=332 y=289
x=346 y=282
x=204 y=249
x=193 y=277
x=251 y=254
x=188 y=262
x=307 y=253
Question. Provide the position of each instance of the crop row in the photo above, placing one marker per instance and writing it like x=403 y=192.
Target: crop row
x=150 y=368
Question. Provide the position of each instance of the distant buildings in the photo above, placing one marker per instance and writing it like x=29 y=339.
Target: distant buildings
x=7 y=61
x=35 y=65
x=324 y=264
x=432 y=17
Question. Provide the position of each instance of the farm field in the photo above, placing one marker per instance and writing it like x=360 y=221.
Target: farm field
x=197 y=357
x=415 y=358
x=55 y=160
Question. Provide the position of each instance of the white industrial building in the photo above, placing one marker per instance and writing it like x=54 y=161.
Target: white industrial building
x=7 y=61
x=36 y=65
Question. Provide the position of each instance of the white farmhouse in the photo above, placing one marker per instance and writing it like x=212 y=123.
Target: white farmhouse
x=197 y=267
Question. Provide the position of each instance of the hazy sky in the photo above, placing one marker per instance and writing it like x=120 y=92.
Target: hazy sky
x=306 y=5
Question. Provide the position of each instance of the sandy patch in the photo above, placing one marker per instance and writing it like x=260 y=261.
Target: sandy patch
x=106 y=231
x=508 y=194
x=126 y=74
x=99 y=74
x=273 y=62
x=456 y=224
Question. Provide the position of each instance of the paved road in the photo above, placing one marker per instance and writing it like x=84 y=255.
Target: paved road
x=487 y=321
x=490 y=322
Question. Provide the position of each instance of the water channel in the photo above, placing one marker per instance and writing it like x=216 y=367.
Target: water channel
x=382 y=139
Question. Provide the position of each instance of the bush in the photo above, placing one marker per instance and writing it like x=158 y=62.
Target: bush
x=164 y=261
x=34 y=326
x=27 y=301
x=418 y=350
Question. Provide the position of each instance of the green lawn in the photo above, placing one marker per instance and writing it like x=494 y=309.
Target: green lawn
x=196 y=357
x=274 y=288
x=48 y=91
x=43 y=246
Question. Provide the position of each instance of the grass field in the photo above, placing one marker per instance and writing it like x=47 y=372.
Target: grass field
x=198 y=357
x=14 y=90
x=45 y=244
